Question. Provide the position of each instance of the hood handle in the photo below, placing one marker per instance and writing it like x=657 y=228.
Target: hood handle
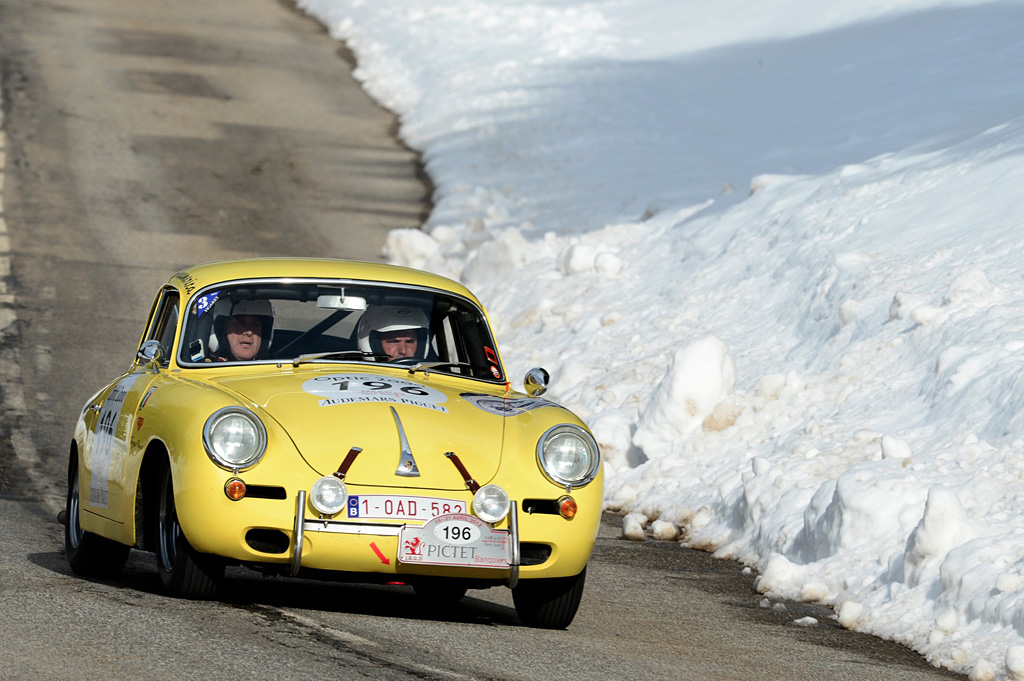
x=472 y=484
x=349 y=459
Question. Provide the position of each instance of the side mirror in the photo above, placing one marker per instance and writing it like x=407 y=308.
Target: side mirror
x=151 y=352
x=536 y=382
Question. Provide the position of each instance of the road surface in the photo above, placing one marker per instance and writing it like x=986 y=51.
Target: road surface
x=141 y=136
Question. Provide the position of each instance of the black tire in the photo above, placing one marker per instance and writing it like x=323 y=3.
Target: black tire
x=440 y=592
x=549 y=603
x=89 y=555
x=184 y=572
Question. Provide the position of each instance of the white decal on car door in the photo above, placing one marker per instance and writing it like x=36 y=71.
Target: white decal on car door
x=105 y=439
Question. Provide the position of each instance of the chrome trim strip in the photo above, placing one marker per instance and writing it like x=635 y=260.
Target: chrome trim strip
x=376 y=529
x=300 y=514
x=406 y=464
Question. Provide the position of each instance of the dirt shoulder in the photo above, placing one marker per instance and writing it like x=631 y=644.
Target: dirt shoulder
x=143 y=136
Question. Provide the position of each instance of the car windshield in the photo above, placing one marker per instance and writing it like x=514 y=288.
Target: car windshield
x=298 y=322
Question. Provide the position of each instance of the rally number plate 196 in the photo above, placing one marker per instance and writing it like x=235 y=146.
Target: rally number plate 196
x=454 y=539
x=400 y=507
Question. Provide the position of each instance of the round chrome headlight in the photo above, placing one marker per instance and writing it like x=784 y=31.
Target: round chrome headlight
x=491 y=504
x=568 y=455
x=328 y=495
x=234 y=438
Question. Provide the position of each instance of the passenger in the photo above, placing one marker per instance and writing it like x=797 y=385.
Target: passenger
x=397 y=332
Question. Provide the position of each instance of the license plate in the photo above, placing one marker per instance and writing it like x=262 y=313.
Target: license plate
x=401 y=507
x=454 y=539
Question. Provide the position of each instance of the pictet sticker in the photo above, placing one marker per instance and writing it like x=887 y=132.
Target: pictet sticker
x=335 y=389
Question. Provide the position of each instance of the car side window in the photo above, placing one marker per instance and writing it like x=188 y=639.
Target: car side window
x=165 y=324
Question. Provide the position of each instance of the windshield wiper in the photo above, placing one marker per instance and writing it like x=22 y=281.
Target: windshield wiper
x=338 y=354
x=426 y=367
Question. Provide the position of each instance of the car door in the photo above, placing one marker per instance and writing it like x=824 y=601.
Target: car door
x=113 y=420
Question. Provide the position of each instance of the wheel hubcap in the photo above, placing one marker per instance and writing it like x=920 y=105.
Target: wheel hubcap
x=74 y=529
x=169 y=529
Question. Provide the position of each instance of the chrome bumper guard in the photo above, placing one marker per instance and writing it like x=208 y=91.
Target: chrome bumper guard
x=513 y=537
x=300 y=513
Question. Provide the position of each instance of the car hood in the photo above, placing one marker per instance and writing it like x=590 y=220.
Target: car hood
x=327 y=413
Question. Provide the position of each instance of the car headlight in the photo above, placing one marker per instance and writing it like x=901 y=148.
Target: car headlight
x=328 y=495
x=568 y=455
x=491 y=504
x=234 y=438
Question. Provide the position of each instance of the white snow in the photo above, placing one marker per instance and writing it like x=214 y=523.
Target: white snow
x=772 y=254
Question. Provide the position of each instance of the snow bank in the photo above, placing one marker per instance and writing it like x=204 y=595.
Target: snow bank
x=772 y=258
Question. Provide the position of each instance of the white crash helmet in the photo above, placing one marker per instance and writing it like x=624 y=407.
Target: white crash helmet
x=379 y=319
x=224 y=309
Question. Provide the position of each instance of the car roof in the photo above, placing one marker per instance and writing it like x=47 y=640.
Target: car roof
x=192 y=279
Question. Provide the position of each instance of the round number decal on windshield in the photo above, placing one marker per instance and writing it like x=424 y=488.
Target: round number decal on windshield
x=358 y=388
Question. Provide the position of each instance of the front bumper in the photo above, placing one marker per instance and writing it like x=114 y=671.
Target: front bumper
x=265 y=532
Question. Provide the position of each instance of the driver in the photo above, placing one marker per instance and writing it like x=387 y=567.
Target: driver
x=246 y=328
x=399 y=332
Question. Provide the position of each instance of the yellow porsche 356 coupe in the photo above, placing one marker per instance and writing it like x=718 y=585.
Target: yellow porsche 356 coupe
x=337 y=419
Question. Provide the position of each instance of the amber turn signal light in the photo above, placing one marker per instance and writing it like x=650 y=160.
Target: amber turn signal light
x=567 y=507
x=234 y=488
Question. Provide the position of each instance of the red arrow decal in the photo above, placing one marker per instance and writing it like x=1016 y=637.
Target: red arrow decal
x=380 y=554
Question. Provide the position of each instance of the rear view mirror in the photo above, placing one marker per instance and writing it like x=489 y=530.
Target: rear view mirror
x=341 y=302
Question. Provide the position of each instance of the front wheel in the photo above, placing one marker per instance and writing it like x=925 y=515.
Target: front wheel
x=89 y=555
x=549 y=603
x=184 y=572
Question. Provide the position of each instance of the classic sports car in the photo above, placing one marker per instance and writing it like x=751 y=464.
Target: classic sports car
x=333 y=419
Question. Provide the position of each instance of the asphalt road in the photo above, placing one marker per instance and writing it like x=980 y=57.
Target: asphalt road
x=141 y=136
